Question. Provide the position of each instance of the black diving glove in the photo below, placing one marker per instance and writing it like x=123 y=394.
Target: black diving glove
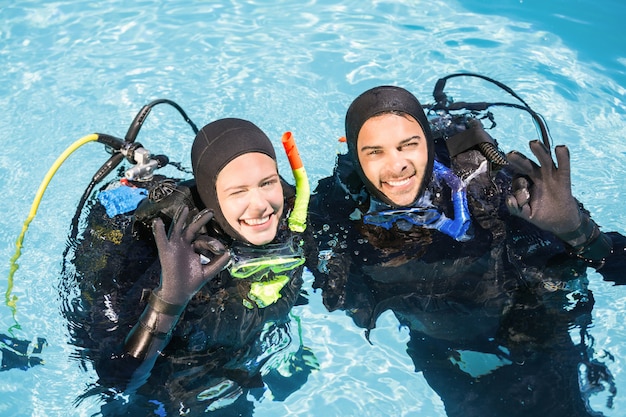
x=542 y=195
x=183 y=273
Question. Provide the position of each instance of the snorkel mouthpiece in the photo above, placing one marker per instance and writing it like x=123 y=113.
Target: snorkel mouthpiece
x=297 y=218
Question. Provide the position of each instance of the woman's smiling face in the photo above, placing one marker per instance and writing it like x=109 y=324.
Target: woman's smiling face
x=251 y=197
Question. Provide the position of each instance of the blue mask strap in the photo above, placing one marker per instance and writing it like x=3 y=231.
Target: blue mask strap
x=458 y=227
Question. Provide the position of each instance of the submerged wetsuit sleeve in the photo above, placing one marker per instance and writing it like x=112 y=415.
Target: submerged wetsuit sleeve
x=150 y=336
x=613 y=267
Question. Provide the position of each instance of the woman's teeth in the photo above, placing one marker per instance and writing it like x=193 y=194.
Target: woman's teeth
x=256 y=222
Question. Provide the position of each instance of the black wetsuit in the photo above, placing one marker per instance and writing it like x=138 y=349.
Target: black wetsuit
x=509 y=296
x=217 y=347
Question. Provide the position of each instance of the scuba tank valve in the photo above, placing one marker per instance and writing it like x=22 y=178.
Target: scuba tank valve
x=145 y=164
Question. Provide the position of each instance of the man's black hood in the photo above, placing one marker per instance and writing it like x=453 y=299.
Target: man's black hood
x=376 y=101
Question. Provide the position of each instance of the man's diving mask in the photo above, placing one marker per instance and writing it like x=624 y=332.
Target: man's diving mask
x=424 y=214
x=267 y=267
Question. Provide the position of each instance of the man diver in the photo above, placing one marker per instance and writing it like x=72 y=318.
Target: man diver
x=469 y=258
x=190 y=329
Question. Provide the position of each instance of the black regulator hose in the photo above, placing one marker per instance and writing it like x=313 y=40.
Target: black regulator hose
x=122 y=148
x=443 y=103
x=135 y=126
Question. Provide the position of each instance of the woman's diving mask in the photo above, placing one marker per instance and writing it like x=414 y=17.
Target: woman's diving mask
x=267 y=268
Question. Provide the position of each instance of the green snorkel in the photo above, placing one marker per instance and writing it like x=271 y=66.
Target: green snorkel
x=297 y=218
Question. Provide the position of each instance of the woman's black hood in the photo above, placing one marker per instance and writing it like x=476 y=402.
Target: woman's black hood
x=376 y=101
x=217 y=144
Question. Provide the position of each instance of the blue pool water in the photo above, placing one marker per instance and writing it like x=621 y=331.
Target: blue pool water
x=70 y=68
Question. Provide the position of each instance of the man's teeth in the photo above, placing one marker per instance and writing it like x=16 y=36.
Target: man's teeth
x=256 y=222
x=398 y=183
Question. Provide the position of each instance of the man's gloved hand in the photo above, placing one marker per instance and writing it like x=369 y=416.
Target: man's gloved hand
x=183 y=273
x=546 y=201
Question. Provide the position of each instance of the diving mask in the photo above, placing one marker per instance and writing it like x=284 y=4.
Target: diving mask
x=254 y=262
x=425 y=214
x=267 y=267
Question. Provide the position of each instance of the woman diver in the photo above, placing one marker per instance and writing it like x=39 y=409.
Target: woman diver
x=218 y=296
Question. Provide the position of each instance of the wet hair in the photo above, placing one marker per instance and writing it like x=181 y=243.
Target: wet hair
x=378 y=101
x=217 y=144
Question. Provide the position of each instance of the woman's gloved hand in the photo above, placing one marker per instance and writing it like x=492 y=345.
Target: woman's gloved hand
x=546 y=200
x=182 y=271
x=182 y=275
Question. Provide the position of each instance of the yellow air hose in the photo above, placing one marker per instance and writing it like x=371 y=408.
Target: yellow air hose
x=11 y=300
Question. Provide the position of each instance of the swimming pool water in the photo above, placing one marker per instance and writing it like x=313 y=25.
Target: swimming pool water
x=70 y=68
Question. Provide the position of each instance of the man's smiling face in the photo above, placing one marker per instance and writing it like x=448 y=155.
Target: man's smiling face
x=393 y=154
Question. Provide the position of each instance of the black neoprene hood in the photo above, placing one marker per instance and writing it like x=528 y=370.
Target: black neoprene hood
x=376 y=101
x=217 y=144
